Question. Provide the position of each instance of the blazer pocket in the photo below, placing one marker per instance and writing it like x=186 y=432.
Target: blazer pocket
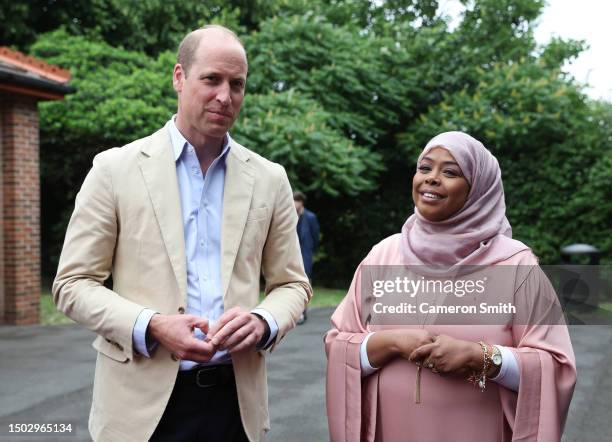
x=257 y=214
x=109 y=349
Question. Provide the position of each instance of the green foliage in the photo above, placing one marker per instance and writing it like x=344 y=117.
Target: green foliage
x=535 y=122
x=558 y=51
x=15 y=28
x=327 y=63
x=498 y=30
x=49 y=314
x=293 y=130
x=592 y=201
x=151 y=26
x=324 y=297
x=121 y=96
x=344 y=94
x=595 y=215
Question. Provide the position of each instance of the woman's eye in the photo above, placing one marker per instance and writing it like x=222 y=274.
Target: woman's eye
x=451 y=172
x=424 y=168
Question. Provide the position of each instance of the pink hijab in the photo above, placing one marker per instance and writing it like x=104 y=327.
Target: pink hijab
x=479 y=234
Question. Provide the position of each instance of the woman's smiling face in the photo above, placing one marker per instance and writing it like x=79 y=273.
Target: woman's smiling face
x=439 y=188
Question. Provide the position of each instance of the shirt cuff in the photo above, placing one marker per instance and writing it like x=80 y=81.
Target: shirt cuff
x=265 y=314
x=509 y=375
x=366 y=367
x=139 y=334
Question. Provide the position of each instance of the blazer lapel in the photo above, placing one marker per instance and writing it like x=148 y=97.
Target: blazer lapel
x=237 y=194
x=159 y=172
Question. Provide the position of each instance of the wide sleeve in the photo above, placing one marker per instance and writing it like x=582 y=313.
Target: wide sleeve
x=544 y=353
x=351 y=404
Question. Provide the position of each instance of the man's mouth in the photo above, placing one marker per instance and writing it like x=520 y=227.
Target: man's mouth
x=221 y=114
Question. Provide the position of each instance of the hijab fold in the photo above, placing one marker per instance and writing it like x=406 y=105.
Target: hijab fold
x=479 y=233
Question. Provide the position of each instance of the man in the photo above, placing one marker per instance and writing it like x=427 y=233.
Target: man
x=308 y=234
x=186 y=220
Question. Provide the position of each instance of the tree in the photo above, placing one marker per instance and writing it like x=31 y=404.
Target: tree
x=123 y=95
x=534 y=121
x=344 y=94
x=293 y=130
x=151 y=26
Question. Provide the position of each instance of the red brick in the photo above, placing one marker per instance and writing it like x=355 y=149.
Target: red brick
x=20 y=212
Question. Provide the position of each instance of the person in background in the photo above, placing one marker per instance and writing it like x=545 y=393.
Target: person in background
x=308 y=235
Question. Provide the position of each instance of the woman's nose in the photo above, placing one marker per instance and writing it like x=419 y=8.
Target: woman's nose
x=432 y=180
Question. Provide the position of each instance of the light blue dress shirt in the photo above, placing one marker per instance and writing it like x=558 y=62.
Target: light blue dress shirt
x=202 y=211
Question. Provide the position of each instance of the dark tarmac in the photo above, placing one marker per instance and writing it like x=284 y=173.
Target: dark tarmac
x=46 y=375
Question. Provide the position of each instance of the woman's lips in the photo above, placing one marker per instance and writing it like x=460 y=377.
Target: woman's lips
x=431 y=196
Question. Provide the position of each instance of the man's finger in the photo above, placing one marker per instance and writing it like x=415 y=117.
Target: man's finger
x=422 y=352
x=199 y=351
x=248 y=342
x=243 y=333
x=223 y=320
x=229 y=329
x=202 y=324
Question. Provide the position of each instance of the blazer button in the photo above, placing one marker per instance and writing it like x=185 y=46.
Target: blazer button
x=181 y=310
x=174 y=358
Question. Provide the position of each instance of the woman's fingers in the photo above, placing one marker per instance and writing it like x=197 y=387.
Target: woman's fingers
x=421 y=352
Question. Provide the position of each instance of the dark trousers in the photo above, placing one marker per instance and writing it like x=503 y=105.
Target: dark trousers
x=203 y=407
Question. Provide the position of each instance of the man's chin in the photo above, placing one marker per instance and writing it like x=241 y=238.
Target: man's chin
x=215 y=131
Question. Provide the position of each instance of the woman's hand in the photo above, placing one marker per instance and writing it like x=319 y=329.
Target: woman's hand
x=388 y=344
x=406 y=341
x=448 y=355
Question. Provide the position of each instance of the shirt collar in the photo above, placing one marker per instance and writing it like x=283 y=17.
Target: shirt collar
x=180 y=143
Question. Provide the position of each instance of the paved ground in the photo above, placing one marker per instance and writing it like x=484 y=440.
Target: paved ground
x=46 y=374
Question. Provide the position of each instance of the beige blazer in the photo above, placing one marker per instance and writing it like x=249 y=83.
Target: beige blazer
x=127 y=221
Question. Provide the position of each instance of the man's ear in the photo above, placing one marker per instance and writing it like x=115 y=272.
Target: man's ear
x=178 y=77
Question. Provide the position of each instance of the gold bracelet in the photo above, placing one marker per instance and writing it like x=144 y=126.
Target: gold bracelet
x=480 y=379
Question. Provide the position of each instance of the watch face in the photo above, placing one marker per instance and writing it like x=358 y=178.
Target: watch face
x=497 y=360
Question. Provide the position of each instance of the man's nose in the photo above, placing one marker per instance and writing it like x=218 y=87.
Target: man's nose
x=223 y=94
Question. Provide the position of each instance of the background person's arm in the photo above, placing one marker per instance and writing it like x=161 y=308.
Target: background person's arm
x=316 y=233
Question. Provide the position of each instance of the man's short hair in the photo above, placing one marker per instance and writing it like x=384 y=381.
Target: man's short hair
x=299 y=196
x=190 y=43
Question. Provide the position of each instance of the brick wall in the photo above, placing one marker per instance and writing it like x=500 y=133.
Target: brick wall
x=20 y=209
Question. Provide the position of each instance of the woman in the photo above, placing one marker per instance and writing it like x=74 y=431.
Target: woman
x=409 y=383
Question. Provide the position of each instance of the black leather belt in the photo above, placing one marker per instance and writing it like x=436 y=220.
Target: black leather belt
x=207 y=377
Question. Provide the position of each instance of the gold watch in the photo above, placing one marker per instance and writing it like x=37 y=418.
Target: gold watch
x=496 y=356
x=495 y=361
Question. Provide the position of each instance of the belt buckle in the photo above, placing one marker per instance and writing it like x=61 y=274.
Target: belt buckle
x=203 y=370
